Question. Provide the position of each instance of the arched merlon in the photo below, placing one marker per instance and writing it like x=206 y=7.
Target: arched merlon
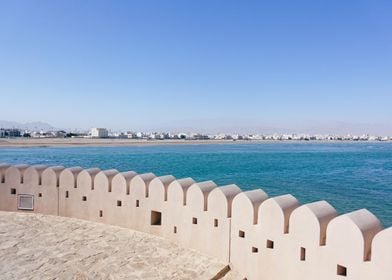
x=177 y=191
x=140 y=185
x=104 y=178
x=197 y=196
x=382 y=249
x=87 y=176
x=33 y=175
x=121 y=182
x=274 y=213
x=158 y=188
x=220 y=200
x=51 y=176
x=246 y=206
x=68 y=177
x=3 y=168
x=350 y=235
x=14 y=174
x=308 y=223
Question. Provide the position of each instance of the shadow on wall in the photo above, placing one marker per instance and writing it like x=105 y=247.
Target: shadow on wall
x=260 y=237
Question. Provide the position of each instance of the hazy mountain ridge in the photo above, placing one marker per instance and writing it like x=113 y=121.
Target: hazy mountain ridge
x=28 y=126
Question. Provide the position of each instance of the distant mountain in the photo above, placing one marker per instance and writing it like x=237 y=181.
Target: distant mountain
x=29 y=126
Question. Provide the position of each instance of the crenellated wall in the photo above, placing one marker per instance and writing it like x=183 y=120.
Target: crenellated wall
x=260 y=237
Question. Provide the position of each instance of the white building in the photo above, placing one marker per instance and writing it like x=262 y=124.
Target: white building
x=99 y=132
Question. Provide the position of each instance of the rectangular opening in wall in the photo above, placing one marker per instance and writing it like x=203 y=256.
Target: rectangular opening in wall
x=341 y=270
x=137 y=203
x=2 y=179
x=40 y=181
x=303 y=254
x=255 y=250
x=215 y=222
x=119 y=203
x=194 y=221
x=241 y=234
x=100 y=213
x=156 y=218
x=270 y=244
x=84 y=198
x=175 y=229
x=25 y=202
x=66 y=194
x=13 y=191
x=40 y=195
x=21 y=179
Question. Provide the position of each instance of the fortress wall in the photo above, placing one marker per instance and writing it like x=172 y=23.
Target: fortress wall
x=261 y=237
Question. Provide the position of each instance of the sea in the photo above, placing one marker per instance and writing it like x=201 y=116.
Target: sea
x=349 y=175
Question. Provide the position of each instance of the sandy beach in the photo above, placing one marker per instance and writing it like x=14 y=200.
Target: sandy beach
x=34 y=246
x=75 y=142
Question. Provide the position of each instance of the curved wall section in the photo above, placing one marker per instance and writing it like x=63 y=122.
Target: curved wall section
x=260 y=237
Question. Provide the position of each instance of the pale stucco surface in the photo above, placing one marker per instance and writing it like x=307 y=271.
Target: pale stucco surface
x=35 y=246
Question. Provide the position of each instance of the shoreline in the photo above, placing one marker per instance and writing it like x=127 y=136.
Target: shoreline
x=88 y=142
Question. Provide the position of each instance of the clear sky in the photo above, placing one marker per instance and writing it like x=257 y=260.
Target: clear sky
x=202 y=65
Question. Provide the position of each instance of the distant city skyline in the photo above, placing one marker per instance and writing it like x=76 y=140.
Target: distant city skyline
x=208 y=66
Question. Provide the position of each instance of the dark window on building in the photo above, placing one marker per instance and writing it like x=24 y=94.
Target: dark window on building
x=13 y=191
x=84 y=198
x=40 y=195
x=2 y=179
x=21 y=179
x=341 y=270
x=119 y=203
x=215 y=222
x=175 y=229
x=156 y=218
x=194 y=221
x=241 y=234
x=100 y=213
x=270 y=244
x=303 y=254
x=66 y=194
x=137 y=203
x=255 y=250
x=40 y=181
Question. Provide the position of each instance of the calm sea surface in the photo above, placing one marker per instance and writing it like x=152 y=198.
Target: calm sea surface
x=348 y=175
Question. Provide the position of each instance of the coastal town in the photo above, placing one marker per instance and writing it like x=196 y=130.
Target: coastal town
x=104 y=133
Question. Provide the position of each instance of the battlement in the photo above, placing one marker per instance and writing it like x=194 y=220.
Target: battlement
x=260 y=237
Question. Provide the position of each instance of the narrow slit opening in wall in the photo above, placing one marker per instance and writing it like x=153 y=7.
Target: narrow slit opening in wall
x=270 y=244
x=175 y=229
x=40 y=181
x=40 y=195
x=341 y=270
x=119 y=203
x=58 y=182
x=241 y=234
x=156 y=218
x=100 y=213
x=215 y=222
x=66 y=194
x=13 y=191
x=21 y=179
x=255 y=250
x=137 y=203
x=194 y=221
x=303 y=254
x=84 y=198
x=2 y=179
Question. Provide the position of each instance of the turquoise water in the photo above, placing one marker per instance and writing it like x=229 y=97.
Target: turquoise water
x=348 y=175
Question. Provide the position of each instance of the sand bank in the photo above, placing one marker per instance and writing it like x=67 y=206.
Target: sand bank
x=75 y=142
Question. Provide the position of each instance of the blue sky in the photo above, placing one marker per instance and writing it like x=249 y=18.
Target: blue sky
x=202 y=65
